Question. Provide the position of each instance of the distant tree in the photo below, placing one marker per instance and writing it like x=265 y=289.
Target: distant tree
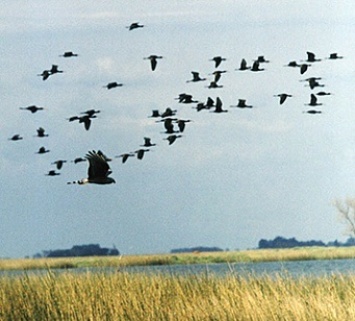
x=346 y=210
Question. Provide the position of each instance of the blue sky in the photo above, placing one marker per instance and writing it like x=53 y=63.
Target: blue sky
x=232 y=179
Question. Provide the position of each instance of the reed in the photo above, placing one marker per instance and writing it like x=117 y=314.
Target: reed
x=123 y=296
x=302 y=253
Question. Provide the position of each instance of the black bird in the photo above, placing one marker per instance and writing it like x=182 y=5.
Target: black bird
x=283 y=97
x=168 y=112
x=242 y=104
x=41 y=132
x=262 y=59
x=33 y=109
x=55 y=70
x=59 y=163
x=155 y=113
x=86 y=119
x=125 y=156
x=303 y=68
x=91 y=112
x=186 y=99
x=214 y=84
x=134 y=25
x=323 y=93
x=140 y=153
x=218 y=74
x=335 y=56
x=218 y=107
x=45 y=74
x=69 y=54
x=311 y=57
x=200 y=106
x=168 y=125
x=256 y=66
x=217 y=60
x=172 y=138
x=147 y=142
x=52 y=173
x=313 y=82
x=99 y=170
x=313 y=111
x=196 y=77
x=153 y=61
x=79 y=160
x=209 y=103
x=113 y=84
x=16 y=137
x=243 y=65
x=42 y=150
x=313 y=101
x=181 y=124
x=293 y=64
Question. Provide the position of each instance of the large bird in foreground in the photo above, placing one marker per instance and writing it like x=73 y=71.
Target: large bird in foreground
x=99 y=170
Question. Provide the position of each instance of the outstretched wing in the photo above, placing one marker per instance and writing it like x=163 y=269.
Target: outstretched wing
x=98 y=167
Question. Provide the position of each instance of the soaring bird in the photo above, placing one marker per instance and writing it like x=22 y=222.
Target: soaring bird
x=153 y=61
x=140 y=153
x=91 y=112
x=323 y=93
x=168 y=125
x=256 y=66
x=99 y=170
x=262 y=59
x=242 y=104
x=311 y=57
x=125 y=156
x=303 y=68
x=52 y=173
x=59 y=163
x=113 y=84
x=196 y=77
x=217 y=60
x=155 y=113
x=218 y=107
x=79 y=160
x=214 y=84
x=293 y=63
x=134 y=25
x=33 y=108
x=45 y=74
x=283 y=97
x=69 y=54
x=218 y=74
x=43 y=150
x=168 y=112
x=243 y=65
x=147 y=142
x=313 y=111
x=313 y=82
x=55 y=70
x=172 y=138
x=181 y=124
x=313 y=101
x=334 y=56
x=41 y=132
x=16 y=137
x=186 y=99
x=86 y=119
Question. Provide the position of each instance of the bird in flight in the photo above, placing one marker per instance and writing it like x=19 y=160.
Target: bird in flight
x=125 y=156
x=242 y=104
x=113 y=84
x=134 y=25
x=16 y=137
x=217 y=60
x=196 y=77
x=33 y=108
x=99 y=170
x=69 y=54
x=41 y=132
x=153 y=61
x=283 y=97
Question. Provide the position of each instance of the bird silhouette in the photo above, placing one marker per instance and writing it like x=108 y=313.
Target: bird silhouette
x=155 y=114
x=112 y=85
x=334 y=56
x=147 y=142
x=312 y=111
x=16 y=137
x=242 y=104
x=313 y=82
x=140 y=153
x=182 y=124
x=303 y=68
x=262 y=59
x=218 y=107
x=69 y=54
x=168 y=112
x=45 y=74
x=218 y=74
x=313 y=101
x=186 y=99
x=55 y=70
x=134 y=25
x=79 y=160
x=98 y=171
x=217 y=60
x=59 y=163
x=172 y=138
x=52 y=173
x=323 y=93
x=256 y=66
x=42 y=150
x=33 y=109
x=196 y=77
x=243 y=65
x=282 y=97
x=125 y=156
x=91 y=112
x=293 y=64
x=311 y=57
x=214 y=84
x=153 y=61
x=41 y=132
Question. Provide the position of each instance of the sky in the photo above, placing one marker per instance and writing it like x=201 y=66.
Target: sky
x=232 y=178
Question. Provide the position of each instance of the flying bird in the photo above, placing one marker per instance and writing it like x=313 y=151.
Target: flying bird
x=33 y=109
x=155 y=113
x=243 y=65
x=334 y=56
x=16 y=137
x=125 y=156
x=42 y=150
x=313 y=101
x=153 y=61
x=196 y=77
x=262 y=59
x=218 y=107
x=99 y=170
x=52 y=173
x=283 y=97
x=69 y=54
x=45 y=74
x=256 y=66
x=59 y=163
x=182 y=124
x=311 y=57
x=172 y=138
x=293 y=64
x=303 y=68
x=55 y=70
x=134 y=25
x=217 y=60
x=140 y=153
x=312 y=111
x=242 y=104
x=113 y=84
x=147 y=142
x=218 y=74
x=41 y=132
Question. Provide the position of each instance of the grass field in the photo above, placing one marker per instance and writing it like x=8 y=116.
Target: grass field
x=122 y=296
x=310 y=253
x=161 y=297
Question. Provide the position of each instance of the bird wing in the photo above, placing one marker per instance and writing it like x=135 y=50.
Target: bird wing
x=98 y=166
x=153 y=62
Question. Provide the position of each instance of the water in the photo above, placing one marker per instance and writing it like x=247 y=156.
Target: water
x=296 y=269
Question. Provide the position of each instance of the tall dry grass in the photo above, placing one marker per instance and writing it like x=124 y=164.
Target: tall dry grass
x=123 y=296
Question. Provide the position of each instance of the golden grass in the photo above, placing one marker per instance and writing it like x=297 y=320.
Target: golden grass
x=122 y=296
x=310 y=253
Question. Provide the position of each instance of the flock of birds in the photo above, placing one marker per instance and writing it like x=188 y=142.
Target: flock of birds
x=99 y=170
